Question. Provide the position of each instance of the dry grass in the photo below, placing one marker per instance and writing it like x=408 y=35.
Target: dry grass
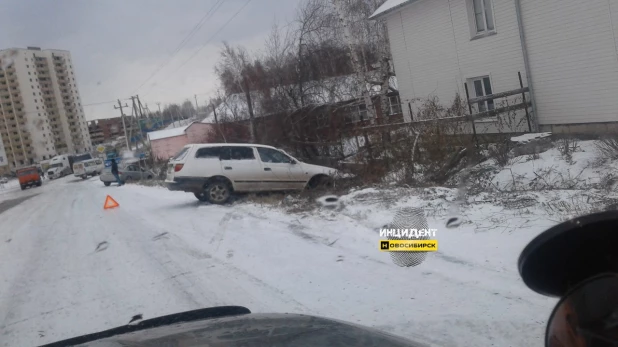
x=608 y=148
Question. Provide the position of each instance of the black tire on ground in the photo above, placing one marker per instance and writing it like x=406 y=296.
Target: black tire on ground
x=149 y=177
x=320 y=182
x=23 y=188
x=84 y=177
x=201 y=196
x=107 y=183
x=218 y=191
x=38 y=184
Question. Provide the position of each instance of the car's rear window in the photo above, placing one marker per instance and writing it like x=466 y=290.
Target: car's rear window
x=180 y=155
x=237 y=153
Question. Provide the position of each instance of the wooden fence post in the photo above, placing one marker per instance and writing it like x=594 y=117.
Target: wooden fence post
x=470 y=110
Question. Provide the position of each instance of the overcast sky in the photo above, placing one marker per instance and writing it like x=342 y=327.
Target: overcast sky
x=117 y=44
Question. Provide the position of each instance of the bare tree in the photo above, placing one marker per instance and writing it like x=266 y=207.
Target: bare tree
x=235 y=64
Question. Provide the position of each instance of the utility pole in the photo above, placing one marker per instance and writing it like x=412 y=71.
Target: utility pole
x=141 y=108
x=159 y=104
x=138 y=115
x=196 y=107
x=214 y=111
x=124 y=126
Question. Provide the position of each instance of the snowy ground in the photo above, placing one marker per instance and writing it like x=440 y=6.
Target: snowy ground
x=68 y=268
x=162 y=252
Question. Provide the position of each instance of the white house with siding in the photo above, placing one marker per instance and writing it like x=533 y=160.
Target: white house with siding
x=566 y=51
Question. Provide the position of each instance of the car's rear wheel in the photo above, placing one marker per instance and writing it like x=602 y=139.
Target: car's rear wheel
x=201 y=196
x=218 y=191
x=107 y=183
x=23 y=188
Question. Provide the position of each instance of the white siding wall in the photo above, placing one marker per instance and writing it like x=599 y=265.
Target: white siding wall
x=573 y=62
x=441 y=55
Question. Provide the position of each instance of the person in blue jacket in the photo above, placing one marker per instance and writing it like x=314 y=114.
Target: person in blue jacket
x=115 y=172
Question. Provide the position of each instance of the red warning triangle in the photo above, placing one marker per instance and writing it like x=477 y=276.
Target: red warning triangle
x=110 y=203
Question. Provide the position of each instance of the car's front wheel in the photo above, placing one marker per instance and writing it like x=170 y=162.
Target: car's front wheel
x=320 y=182
x=107 y=183
x=218 y=192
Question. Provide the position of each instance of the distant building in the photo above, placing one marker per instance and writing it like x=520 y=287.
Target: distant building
x=165 y=143
x=41 y=114
x=105 y=130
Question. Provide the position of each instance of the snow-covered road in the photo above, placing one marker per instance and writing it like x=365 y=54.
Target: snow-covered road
x=68 y=267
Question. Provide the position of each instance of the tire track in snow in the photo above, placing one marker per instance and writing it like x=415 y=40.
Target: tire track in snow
x=176 y=243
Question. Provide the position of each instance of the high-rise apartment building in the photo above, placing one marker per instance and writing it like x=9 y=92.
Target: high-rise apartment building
x=41 y=113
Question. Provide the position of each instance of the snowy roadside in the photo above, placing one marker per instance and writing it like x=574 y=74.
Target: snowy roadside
x=518 y=201
x=165 y=252
x=465 y=286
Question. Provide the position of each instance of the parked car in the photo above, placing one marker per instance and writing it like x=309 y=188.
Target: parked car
x=90 y=167
x=4 y=180
x=28 y=177
x=128 y=171
x=212 y=172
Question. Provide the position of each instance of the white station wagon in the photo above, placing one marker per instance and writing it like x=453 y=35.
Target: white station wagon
x=212 y=172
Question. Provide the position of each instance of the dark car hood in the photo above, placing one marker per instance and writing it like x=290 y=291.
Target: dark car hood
x=233 y=326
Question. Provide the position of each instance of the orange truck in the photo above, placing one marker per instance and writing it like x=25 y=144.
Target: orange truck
x=28 y=177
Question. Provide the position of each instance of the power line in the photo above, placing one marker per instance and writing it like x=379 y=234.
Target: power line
x=211 y=38
x=190 y=35
x=100 y=103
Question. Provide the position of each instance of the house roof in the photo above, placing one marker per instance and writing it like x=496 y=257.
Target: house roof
x=388 y=7
x=162 y=134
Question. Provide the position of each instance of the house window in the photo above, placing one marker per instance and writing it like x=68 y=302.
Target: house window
x=355 y=114
x=362 y=112
x=482 y=18
x=482 y=87
x=394 y=105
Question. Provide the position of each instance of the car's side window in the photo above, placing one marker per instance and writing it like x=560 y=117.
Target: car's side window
x=208 y=153
x=237 y=153
x=269 y=155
